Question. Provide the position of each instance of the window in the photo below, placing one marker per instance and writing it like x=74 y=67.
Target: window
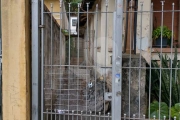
x=74 y=22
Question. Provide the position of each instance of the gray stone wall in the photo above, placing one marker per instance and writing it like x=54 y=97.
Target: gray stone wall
x=54 y=54
x=131 y=82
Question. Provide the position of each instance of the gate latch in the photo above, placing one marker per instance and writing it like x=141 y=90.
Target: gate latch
x=108 y=96
x=41 y=26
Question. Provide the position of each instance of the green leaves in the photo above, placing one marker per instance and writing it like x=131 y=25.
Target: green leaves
x=154 y=110
x=166 y=32
x=74 y=5
x=164 y=110
x=175 y=111
x=170 y=76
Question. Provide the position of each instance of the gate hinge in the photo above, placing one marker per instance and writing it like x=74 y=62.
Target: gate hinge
x=108 y=96
x=41 y=26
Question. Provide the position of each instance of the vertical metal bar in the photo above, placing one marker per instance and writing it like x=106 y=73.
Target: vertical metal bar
x=55 y=114
x=154 y=117
x=99 y=115
x=160 y=84
x=51 y=58
x=124 y=116
x=64 y=117
x=69 y=57
x=151 y=15
x=130 y=57
x=60 y=50
x=131 y=18
x=134 y=116
x=81 y=115
x=35 y=60
x=135 y=25
x=117 y=62
x=108 y=116
x=0 y=66
x=140 y=63
x=90 y=115
x=78 y=32
x=105 y=55
x=126 y=28
x=42 y=60
x=87 y=39
x=144 y=117
x=1 y=45
x=47 y=113
x=78 y=61
x=96 y=38
x=69 y=35
x=72 y=114
x=176 y=79
x=170 y=92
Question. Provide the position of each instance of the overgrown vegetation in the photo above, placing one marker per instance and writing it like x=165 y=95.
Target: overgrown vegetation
x=175 y=110
x=164 y=110
x=74 y=5
x=170 y=81
x=154 y=110
x=170 y=75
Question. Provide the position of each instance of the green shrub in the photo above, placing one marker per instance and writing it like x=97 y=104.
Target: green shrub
x=154 y=110
x=166 y=32
x=168 y=76
x=175 y=111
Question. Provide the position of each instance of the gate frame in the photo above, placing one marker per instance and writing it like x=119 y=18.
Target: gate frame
x=35 y=47
x=37 y=76
x=117 y=61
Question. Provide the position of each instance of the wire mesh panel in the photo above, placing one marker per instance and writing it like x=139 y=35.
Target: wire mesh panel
x=78 y=60
x=150 y=88
x=74 y=81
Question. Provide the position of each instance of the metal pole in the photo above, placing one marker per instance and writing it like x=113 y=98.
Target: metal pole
x=42 y=60
x=117 y=62
x=160 y=76
x=35 y=60
x=171 y=72
x=0 y=68
x=51 y=57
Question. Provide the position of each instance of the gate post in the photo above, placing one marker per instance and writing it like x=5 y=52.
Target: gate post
x=35 y=60
x=117 y=61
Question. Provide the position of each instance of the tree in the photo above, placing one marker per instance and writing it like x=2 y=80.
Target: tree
x=74 y=5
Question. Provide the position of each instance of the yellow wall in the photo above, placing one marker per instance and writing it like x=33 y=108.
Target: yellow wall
x=56 y=8
x=16 y=59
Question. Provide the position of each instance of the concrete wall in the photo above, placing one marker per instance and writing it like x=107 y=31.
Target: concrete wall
x=16 y=59
x=105 y=73
x=54 y=54
x=146 y=38
x=146 y=29
x=145 y=26
x=97 y=46
x=130 y=81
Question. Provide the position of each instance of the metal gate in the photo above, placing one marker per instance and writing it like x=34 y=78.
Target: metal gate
x=98 y=60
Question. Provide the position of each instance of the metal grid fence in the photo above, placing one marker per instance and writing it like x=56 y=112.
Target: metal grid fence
x=83 y=86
